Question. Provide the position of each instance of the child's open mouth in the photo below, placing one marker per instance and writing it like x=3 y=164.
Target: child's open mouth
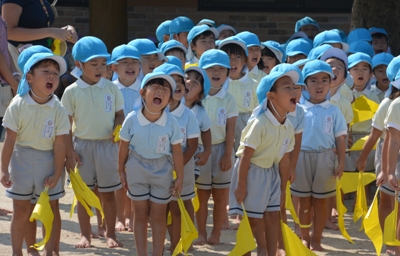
x=177 y=90
x=360 y=78
x=293 y=101
x=186 y=90
x=97 y=75
x=130 y=73
x=216 y=79
x=319 y=91
x=157 y=101
x=49 y=85
x=233 y=69
x=334 y=78
x=385 y=80
x=254 y=60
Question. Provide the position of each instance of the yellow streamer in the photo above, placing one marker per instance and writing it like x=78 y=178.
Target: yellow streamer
x=289 y=206
x=372 y=226
x=293 y=245
x=341 y=209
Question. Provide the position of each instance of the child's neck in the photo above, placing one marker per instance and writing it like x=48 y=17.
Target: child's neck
x=174 y=105
x=38 y=99
x=126 y=83
x=281 y=118
x=381 y=87
x=190 y=103
x=316 y=101
x=360 y=88
x=240 y=75
x=213 y=91
x=88 y=81
x=152 y=117
x=333 y=90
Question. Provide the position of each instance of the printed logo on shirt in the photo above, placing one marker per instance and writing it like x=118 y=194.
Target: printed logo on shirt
x=48 y=128
x=246 y=99
x=108 y=102
x=162 y=144
x=328 y=124
x=183 y=131
x=221 y=114
x=284 y=147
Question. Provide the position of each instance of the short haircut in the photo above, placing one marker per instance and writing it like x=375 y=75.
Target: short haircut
x=202 y=36
x=234 y=49
x=159 y=81
x=170 y=51
x=379 y=36
x=45 y=62
x=201 y=80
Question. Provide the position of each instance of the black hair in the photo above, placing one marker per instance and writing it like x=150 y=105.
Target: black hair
x=394 y=94
x=159 y=81
x=200 y=78
x=44 y=62
x=234 y=49
x=330 y=78
x=379 y=36
x=170 y=51
x=268 y=53
x=203 y=35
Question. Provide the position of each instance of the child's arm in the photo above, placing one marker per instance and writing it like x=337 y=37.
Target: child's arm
x=369 y=144
x=190 y=149
x=203 y=156
x=7 y=74
x=294 y=155
x=244 y=166
x=392 y=158
x=177 y=158
x=6 y=154
x=60 y=151
x=383 y=175
x=225 y=162
x=72 y=156
x=341 y=153
x=284 y=170
x=119 y=119
x=122 y=157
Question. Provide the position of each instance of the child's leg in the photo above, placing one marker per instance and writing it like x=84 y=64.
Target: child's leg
x=219 y=213
x=201 y=215
x=50 y=246
x=127 y=209
x=158 y=226
x=304 y=217
x=110 y=214
x=131 y=216
x=142 y=213
x=101 y=227
x=120 y=195
x=385 y=208
x=328 y=221
x=84 y=224
x=272 y=226
x=175 y=227
x=21 y=211
x=295 y=200
x=30 y=234
x=319 y=210
x=257 y=227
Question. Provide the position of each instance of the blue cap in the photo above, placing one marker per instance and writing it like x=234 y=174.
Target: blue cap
x=359 y=34
x=329 y=37
x=285 y=67
x=296 y=35
x=155 y=75
x=171 y=44
x=207 y=84
x=234 y=40
x=146 y=47
x=395 y=83
x=305 y=22
x=316 y=66
x=207 y=22
x=359 y=57
x=28 y=52
x=23 y=86
x=88 y=48
x=180 y=24
x=223 y=27
x=318 y=51
x=381 y=59
x=362 y=46
x=341 y=33
x=196 y=31
x=298 y=46
x=250 y=39
x=338 y=54
x=277 y=49
x=393 y=68
x=267 y=82
x=374 y=30
x=124 y=51
x=213 y=58
x=301 y=62
x=170 y=69
x=174 y=61
x=162 y=29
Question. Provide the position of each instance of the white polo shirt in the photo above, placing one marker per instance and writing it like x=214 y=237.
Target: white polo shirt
x=380 y=94
x=378 y=121
x=188 y=124
x=393 y=115
x=131 y=95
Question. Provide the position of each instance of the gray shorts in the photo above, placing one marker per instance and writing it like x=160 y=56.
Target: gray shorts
x=241 y=122
x=378 y=163
x=314 y=174
x=263 y=191
x=351 y=157
x=28 y=170
x=99 y=164
x=149 y=179
x=188 y=182
x=211 y=175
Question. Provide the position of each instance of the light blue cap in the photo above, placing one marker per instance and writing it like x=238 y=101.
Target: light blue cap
x=316 y=66
x=362 y=46
x=285 y=67
x=146 y=47
x=375 y=30
x=301 y=62
x=359 y=34
x=277 y=49
x=267 y=82
x=88 y=48
x=394 y=83
x=341 y=33
x=174 y=61
x=298 y=46
x=359 y=57
x=180 y=24
x=296 y=35
x=223 y=27
x=234 y=40
x=208 y=22
x=207 y=84
x=196 y=31
x=23 y=86
x=162 y=29
x=171 y=44
x=170 y=69
x=124 y=51
x=393 y=68
x=329 y=37
x=381 y=59
x=318 y=51
x=213 y=58
x=155 y=75
x=305 y=22
x=28 y=52
x=250 y=39
x=338 y=54
x=217 y=42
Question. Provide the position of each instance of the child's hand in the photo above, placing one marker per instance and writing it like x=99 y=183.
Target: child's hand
x=225 y=163
x=70 y=162
x=176 y=186
x=292 y=175
x=350 y=142
x=381 y=179
x=51 y=181
x=202 y=158
x=392 y=180
x=122 y=177
x=5 y=179
x=338 y=172
x=240 y=194
x=360 y=163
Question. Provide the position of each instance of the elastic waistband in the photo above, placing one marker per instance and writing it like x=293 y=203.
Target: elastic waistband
x=19 y=147
x=317 y=151
x=142 y=158
x=76 y=139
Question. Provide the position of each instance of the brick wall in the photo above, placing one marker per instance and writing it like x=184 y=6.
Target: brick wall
x=143 y=20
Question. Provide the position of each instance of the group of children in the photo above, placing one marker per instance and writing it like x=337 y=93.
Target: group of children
x=210 y=110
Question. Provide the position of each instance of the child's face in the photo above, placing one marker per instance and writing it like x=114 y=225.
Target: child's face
x=379 y=44
x=193 y=87
x=44 y=79
x=237 y=64
x=284 y=96
x=318 y=87
x=179 y=54
x=203 y=44
x=338 y=70
x=93 y=70
x=225 y=34
x=293 y=59
x=128 y=70
x=361 y=74
x=254 y=56
x=217 y=75
x=182 y=38
x=381 y=77
x=180 y=88
x=156 y=96
x=298 y=89
x=149 y=63
x=310 y=30
x=268 y=63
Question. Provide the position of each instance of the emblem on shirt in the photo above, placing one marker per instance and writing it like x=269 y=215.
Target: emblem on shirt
x=221 y=114
x=284 y=147
x=108 y=102
x=48 y=128
x=183 y=131
x=246 y=99
x=328 y=125
x=162 y=144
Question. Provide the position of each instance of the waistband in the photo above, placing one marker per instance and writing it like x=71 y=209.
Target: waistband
x=76 y=139
x=142 y=158
x=317 y=151
x=19 y=147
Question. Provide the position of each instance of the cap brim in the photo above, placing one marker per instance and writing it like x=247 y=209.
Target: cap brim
x=295 y=53
x=278 y=54
x=232 y=41
x=321 y=71
x=61 y=63
x=226 y=27
x=396 y=83
x=107 y=56
x=169 y=79
x=335 y=53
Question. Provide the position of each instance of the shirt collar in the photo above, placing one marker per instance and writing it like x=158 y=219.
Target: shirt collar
x=179 y=110
x=273 y=119
x=83 y=85
x=31 y=101
x=243 y=79
x=336 y=96
x=375 y=88
x=143 y=121
x=294 y=112
x=366 y=91
x=195 y=108
x=254 y=70
x=135 y=86
x=220 y=94
x=324 y=104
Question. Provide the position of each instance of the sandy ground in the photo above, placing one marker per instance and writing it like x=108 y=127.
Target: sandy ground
x=333 y=242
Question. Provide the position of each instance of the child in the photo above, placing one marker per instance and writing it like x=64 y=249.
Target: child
x=380 y=40
x=325 y=130
x=179 y=29
x=34 y=149
x=361 y=46
x=225 y=31
x=215 y=175
x=262 y=167
x=332 y=38
x=150 y=149
x=307 y=25
x=162 y=32
x=174 y=48
x=298 y=49
x=241 y=86
x=379 y=64
x=95 y=106
x=271 y=55
x=254 y=48
x=201 y=38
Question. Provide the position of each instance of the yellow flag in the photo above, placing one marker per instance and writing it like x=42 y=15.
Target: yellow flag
x=116 y=133
x=188 y=231
x=363 y=109
x=359 y=145
x=372 y=226
x=349 y=180
x=83 y=194
x=44 y=213
x=361 y=207
x=244 y=237
x=341 y=209
x=195 y=201
x=293 y=244
x=56 y=47
x=390 y=230
x=289 y=206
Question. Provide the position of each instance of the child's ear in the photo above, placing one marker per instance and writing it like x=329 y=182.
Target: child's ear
x=270 y=95
x=142 y=91
x=193 y=46
x=78 y=64
x=114 y=67
x=29 y=77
